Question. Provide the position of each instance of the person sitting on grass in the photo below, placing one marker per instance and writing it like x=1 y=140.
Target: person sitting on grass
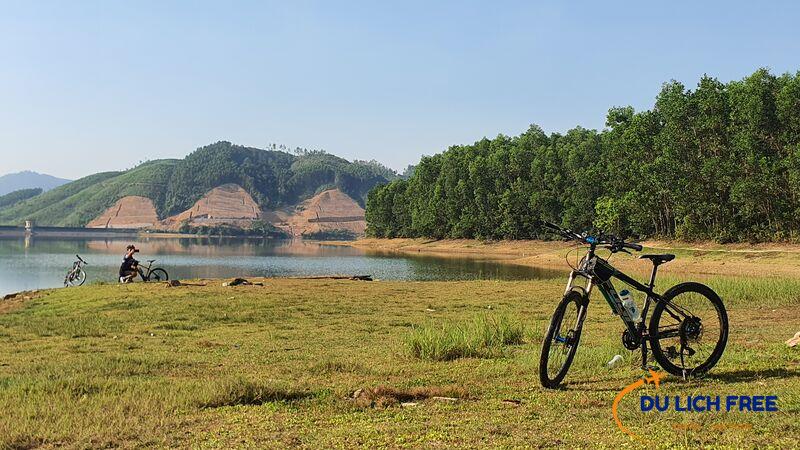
x=130 y=267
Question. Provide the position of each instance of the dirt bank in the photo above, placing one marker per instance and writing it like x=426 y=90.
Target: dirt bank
x=128 y=212
x=329 y=210
x=226 y=204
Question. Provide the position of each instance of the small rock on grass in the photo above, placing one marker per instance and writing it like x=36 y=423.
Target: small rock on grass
x=793 y=342
x=408 y=404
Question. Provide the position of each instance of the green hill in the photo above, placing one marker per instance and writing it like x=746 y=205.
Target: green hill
x=272 y=178
x=12 y=198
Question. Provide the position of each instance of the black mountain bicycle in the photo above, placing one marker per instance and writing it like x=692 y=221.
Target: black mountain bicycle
x=687 y=332
x=154 y=273
x=76 y=276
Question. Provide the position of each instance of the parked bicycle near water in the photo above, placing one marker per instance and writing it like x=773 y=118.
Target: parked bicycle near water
x=687 y=331
x=76 y=276
x=151 y=273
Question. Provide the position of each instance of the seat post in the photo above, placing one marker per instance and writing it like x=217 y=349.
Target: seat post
x=653 y=275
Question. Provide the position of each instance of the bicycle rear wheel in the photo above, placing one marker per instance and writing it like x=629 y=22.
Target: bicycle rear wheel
x=561 y=340
x=689 y=329
x=158 y=275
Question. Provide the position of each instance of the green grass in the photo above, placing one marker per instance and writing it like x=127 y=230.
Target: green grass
x=322 y=363
x=481 y=337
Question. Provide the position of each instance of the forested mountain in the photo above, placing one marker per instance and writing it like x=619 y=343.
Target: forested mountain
x=273 y=178
x=721 y=162
x=28 y=180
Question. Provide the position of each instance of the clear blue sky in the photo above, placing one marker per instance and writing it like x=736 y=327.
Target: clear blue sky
x=91 y=86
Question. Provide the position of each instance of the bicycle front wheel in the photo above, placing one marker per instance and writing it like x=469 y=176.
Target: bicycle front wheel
x=561 y=340
x=158 y=275
x=689 y=329
x=76 y=278
x=80 y=278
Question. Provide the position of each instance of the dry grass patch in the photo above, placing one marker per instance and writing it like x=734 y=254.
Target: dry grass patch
x=386 y=396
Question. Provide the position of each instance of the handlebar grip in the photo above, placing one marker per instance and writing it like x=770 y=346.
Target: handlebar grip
x=631 y=246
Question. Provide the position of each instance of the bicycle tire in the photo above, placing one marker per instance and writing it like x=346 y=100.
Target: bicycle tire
x=659 y=329
x=80 y=276
x=574 y=298
x=158 y=274
x=75 y=278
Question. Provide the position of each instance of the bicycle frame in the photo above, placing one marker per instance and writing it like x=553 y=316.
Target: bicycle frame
x=606 y=287
x=142 y=269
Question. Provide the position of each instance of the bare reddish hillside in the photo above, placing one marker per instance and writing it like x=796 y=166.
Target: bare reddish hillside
x=128 y=212
x=327 y=211
x=226 y=204
x=229 y=204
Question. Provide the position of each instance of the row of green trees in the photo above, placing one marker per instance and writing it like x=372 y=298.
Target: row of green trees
x=719 y=162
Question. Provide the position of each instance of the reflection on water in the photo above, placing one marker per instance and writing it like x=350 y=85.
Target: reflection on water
x=42 y=262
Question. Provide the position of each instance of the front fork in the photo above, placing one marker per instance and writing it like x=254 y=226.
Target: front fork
x=571 y=283
x=586 y=291
x=640 y=330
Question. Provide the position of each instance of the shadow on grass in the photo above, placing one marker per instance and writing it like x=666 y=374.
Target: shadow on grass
x=732 y=376
x=247 y=393
x=744 y=375
x=22 y=442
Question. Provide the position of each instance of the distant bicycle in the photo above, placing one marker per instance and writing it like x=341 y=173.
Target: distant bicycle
x=154 y=273
x=76 y=276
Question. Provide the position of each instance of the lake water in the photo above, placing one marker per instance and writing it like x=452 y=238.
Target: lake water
x=40 y=262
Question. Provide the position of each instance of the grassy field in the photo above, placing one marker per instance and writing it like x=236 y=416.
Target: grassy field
x=277 y=366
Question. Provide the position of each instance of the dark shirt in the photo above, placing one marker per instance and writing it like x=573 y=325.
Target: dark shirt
x=127 y=265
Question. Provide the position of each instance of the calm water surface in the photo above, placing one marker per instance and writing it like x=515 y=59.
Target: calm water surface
x=42 y=262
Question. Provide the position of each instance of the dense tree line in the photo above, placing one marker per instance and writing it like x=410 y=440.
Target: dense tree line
x=718 y=162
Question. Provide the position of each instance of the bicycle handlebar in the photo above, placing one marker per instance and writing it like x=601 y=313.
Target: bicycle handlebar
x=632 y=246
x=613 y=243
x=81 y=260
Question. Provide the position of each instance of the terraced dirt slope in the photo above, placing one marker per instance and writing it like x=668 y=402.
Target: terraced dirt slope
x=327 y=211
x=129 y=212
x=228 y=204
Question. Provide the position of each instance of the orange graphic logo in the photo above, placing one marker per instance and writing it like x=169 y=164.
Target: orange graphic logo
x=654 y=378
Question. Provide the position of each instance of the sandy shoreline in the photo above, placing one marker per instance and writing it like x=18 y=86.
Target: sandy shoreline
x=700 y=258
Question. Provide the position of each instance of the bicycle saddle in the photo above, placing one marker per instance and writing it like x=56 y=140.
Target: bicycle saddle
x=153 y=260
x=659 y=259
